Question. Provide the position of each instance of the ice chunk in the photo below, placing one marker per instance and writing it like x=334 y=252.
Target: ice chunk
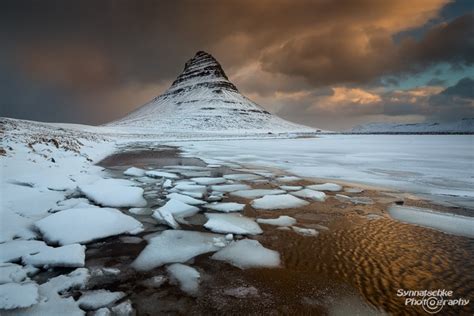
x=446 y=222
x=134 y=172
x=161 y=174
x=72 y=256
x=255 y=193
x=325 y=187
x=353 y=190
x=72 y=203
x=288 y=179
x=291 y=187
x=225 y=207
x=172 y=246
x=114 y=193
x=91 y=300
x=123 y=309
x=164 y=216
x=177 y=209
x=232 y=223
x=167 y=184
x=275 y=202
x=15 y=295
x=280 y=221
x=186 y=276
x=208 y=181
x=140 y=210
x=355 y=200
x=310 y=194
x=14 y=250
x=242 y=176
x=230 y=187
x=196 y=195
x=185 y=199
x=84 y=225
x=191 y=187
x=10 y=272
x=247 y=253
x=305 y=231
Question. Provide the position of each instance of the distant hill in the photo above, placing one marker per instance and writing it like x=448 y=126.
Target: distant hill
x=463 y=126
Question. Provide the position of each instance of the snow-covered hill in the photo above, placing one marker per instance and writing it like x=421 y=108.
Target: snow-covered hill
x=464 y=126
x=202 y=99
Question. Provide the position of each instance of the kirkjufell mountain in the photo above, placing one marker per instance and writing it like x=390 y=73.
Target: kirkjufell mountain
x=202 y=99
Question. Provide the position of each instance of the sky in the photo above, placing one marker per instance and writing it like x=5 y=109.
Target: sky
x=327 y=64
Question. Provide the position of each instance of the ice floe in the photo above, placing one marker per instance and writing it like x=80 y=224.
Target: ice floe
x=355 y=200
x=134 y=172
x=185 y=199
x=72 y=256
x=175 y=246
x=446 y=222
x=274 y=202
x=164 y=216
x=305 y=231
x=91 y=300
x=16 y=295
x=191 y=187
x=255 y=193
x=14 y=250
x=232 y=223
x=333 y=187
x=187 y=277
x=209 y=181
x=140 y=211
x=310 y=194
x=282 y=220
x=247 y=253
x=177 y=209
x=288 y=179
x=87 y=224
x=114 y=193
x=230 y=187
x=291 y=187
x=11 y=272
x=225 y=207
x=242 y=176
x=161 y=174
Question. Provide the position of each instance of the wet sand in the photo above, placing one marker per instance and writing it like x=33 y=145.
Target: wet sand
x=355 y=266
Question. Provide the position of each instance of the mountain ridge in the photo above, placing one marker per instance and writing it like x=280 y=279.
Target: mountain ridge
x=463 y=126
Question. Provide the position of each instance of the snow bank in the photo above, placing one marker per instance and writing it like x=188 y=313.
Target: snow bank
x=254 y=193
x=84 y=225
x=186 y=276
x=247 y=253
x=225 y=207
x=232 y=223
x=173 y=246
x=445 y=222
x=114 y=193
x=310 y=194
x=280 y=221
x=15 y=295
x=274 y=202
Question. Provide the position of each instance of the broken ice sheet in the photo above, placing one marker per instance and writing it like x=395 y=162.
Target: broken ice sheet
x=280 y=221
x=270 y=202
x=225 y=207
x=310 y=194
x=333 y=187
x=248 y=253
x=114 y=193
x=232 y=223
x=187 y=277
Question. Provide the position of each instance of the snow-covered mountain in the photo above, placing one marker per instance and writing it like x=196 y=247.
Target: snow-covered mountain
x=464 y=126
x=202 y=99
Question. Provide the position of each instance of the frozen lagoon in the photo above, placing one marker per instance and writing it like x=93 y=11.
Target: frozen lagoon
x=437 y=167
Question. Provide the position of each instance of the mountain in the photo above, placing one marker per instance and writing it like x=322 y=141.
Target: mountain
x=463 y=126
x=202 y=99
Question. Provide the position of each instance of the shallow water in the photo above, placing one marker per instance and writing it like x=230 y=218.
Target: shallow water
x=354 y=267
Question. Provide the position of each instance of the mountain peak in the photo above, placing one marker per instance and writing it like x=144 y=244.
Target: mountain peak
x=203 y=69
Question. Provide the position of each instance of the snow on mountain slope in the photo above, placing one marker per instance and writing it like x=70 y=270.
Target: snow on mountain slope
x=464 y=126
x=203 y=99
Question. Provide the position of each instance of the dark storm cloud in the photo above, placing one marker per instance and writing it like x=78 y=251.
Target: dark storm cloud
x=92 y=61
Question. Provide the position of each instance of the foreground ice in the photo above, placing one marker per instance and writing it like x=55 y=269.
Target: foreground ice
x=333 y=187
x=208 y=181
x=186 y=276
x=134 y=172
x=15 y=295
x=255 y=193
x=280 y=221
x=14 y=250
x=232 y=223
x=446 y=222
x=225 y=207
x=92 y=300
x=114 y=193
x=85 y=225
x=310 y=194
x=274 y=202
x=72 y=256
x=247 y=253
x=230 y=187
x=185 y=199
x=11 y=272
x=174 y=246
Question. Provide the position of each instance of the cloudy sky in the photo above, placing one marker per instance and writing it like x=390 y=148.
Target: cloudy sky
x=329 y=64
